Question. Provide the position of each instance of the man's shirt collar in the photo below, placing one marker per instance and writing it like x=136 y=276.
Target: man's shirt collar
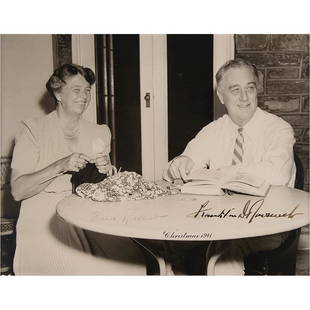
x=251 y=128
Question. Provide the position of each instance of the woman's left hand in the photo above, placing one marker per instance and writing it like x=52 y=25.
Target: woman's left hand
x=102 y=163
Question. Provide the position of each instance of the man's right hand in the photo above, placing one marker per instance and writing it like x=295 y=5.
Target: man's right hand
x=180 y=167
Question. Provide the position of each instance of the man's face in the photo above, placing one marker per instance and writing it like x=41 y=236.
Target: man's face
x=238 y=91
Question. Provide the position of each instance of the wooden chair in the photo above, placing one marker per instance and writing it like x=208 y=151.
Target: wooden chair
x=280 y=261
x=7 y=236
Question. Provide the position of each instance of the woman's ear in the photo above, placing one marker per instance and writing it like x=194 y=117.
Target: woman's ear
x=58 y=97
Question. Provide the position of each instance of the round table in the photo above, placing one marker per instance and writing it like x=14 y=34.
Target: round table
x=184 y=217
x=192 y=217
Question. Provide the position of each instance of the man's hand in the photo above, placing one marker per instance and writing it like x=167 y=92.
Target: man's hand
x=180 y=167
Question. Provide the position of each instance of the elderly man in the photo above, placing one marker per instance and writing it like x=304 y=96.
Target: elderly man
x=246 y=139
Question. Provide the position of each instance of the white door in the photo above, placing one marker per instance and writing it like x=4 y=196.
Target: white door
x=153 y=92
x=154 y=97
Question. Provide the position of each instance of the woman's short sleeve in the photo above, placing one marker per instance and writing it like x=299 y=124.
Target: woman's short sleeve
x=26 y=150
x=100 y=137
x=106 y=133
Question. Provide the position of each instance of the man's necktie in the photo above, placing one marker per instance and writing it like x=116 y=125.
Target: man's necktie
x=238 y=151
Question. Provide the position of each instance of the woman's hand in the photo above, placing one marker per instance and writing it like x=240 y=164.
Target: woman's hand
x=102 y=163
x=75 y=162
x=28 y=185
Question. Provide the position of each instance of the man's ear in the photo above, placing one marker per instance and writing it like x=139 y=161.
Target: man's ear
x=260 y=83
x=220 y=96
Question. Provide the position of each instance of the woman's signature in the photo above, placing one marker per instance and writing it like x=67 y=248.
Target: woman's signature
x=250 y=212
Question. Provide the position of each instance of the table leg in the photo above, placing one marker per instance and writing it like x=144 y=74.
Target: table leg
x=160 y=255
x=156 y=256
x=188 y=257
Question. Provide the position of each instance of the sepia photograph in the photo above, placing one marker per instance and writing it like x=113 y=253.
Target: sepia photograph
x=155 y=154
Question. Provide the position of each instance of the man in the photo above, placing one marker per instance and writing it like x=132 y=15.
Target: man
x=246 y=139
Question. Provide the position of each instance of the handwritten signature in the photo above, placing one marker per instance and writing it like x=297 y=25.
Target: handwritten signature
x=97 y=216
x=249 y=212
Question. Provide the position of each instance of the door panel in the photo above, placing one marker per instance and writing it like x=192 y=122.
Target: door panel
x=190 y=88
x=127 y=102
x=118 y=97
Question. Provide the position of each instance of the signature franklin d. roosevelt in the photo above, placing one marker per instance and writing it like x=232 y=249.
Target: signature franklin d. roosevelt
x=250 y=212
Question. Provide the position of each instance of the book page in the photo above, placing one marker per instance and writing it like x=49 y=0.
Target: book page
x=208 y=175
x=246 y=183
x=201 y=188
x=204 y=182
x=245 y=178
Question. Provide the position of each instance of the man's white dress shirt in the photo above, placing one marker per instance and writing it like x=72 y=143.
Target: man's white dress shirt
x=268 y=147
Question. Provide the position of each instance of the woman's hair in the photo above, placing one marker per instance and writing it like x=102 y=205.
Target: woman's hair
x=235 y=63
x=61 y=74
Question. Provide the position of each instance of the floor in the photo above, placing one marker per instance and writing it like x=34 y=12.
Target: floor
x=302 y=259
x=302 y=263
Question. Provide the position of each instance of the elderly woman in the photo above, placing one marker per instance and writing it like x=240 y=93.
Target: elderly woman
x=47 y=151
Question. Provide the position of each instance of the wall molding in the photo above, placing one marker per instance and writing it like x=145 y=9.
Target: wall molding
x=83 y=53
x=62 y=50
x=223 y=50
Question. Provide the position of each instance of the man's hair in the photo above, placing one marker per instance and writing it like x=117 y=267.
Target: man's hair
x=235 y=63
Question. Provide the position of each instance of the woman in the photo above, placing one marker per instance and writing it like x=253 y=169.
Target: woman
x=47 y=151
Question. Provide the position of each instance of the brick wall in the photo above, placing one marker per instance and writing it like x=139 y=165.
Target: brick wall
x=283 y=61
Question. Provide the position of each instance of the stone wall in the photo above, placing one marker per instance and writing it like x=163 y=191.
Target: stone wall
x=283 y=61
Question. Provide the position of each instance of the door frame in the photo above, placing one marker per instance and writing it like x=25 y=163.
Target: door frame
x=153 y=79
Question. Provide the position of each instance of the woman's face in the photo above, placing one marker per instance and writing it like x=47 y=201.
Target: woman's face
x=74 y=96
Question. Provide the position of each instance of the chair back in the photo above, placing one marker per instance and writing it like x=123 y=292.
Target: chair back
x=282 y=260
x=299 y=180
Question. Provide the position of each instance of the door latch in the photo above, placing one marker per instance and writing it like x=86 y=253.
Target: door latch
x=147 y=99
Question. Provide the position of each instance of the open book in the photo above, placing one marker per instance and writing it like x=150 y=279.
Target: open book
x=214 y=182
